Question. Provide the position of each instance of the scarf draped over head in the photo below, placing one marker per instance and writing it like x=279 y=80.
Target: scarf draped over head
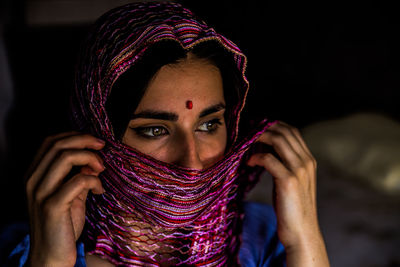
x=154 y=213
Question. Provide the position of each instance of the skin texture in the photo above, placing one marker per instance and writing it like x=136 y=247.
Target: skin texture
x=57 y=209
x=294 y=177
x=189 y=140
x=185 y=137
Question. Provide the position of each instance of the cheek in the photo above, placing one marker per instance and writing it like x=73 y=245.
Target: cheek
x=152 y=149
x=214 y=148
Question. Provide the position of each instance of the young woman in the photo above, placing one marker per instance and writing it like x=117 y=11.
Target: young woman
x=157 y=170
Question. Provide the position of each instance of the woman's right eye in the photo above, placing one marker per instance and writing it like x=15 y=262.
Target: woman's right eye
x=150 y=132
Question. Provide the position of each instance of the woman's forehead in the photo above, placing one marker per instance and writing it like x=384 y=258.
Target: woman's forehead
x=173 y=86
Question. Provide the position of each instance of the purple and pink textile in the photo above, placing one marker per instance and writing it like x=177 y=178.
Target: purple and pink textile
x=153 y=213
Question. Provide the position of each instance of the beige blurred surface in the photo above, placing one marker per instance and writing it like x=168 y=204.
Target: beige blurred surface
x=365 y=146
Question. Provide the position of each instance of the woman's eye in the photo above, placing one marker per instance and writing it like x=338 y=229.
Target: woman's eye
x=209 y=126
x=151 y=131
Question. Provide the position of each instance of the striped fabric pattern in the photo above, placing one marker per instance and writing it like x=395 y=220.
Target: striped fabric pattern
x=158 y=213
x=154 y=213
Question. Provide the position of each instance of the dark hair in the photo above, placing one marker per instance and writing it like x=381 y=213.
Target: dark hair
x=130 y=87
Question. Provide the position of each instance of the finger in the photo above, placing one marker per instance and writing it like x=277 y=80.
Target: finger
x=283 y=148
x=308 y=158
x=289 y=133
x=89 y=171
x=271 y=165
x=84 y=141
x=78 y=187
x=62 y=166
x=299 y=137
x=74 y=189
x=30 y=182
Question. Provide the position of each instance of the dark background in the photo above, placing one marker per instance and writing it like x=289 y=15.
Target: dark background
x=307 y=62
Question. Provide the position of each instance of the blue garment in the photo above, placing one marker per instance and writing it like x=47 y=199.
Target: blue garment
x=260 y=243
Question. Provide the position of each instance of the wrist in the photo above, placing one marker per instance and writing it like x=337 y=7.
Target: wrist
x=39 y=261
x=308 y=251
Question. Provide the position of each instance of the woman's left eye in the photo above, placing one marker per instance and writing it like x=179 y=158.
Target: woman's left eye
x=209 y=126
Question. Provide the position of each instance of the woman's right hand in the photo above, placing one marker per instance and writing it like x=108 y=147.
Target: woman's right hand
x=57 y=207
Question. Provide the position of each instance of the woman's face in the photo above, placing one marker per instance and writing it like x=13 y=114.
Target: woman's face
x=166 y=128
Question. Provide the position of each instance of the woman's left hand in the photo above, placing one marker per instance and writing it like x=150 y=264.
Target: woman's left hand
x=294 y=174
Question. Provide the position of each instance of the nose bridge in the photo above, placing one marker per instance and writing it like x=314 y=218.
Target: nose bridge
x=189 y=154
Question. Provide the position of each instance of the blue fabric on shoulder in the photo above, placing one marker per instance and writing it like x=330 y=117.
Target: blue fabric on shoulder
x=10 y=241
x=260 y=244
x=21 y=252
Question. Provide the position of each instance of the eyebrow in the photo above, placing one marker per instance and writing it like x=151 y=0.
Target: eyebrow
x=211 y=110
x=153 y=114
x=169 y=116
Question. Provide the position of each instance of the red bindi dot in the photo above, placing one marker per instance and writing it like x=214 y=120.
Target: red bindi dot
x=189 y=104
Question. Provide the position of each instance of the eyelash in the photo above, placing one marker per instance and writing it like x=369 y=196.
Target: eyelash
x=214 y=122
x=141 y=131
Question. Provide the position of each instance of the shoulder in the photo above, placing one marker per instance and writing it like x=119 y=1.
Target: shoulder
x=260 y=243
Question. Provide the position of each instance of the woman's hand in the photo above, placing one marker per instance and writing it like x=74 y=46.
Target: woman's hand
x=294 y=174
x=57 y=207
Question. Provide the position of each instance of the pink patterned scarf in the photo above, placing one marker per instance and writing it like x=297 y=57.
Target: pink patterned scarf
x=153 y=213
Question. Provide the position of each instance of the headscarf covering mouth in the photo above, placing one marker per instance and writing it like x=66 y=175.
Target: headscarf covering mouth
x=153 y=212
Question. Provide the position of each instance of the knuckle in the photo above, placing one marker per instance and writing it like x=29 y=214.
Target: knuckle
x=59 y=144
x=29 y=186
x=53 y=141
x=82 y=181
x=288 y=130
x=38 y=197
x=92 y=157
x=277 y=137
x=315 y=163
x=301 y=171
x=85 y=181
x=285 y=125
x=29 y=190
x=285 y=130
x=311 y=163
x=67 y=155
x=268 y=157
x=296 y=131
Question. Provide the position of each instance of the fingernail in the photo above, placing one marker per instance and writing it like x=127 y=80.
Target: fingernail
x=102 y=164
x=101 y=141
